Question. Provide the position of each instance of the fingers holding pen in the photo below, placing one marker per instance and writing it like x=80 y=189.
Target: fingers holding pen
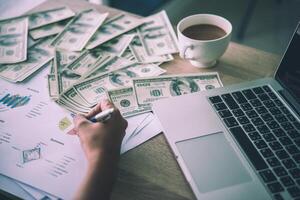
x=103 y=105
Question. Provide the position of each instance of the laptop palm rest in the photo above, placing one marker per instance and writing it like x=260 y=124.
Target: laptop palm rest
x=212 y=162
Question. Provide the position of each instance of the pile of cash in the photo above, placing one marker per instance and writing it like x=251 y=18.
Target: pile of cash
x=92 y=56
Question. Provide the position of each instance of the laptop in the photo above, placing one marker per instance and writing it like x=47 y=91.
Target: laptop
x=240 y=141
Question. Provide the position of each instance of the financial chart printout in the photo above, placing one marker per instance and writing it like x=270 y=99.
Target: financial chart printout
x=34 y=139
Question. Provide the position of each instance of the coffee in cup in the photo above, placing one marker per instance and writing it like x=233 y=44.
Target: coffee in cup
x=203 y=38
x=204 y=32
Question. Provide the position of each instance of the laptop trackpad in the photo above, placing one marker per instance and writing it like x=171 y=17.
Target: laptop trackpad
x=212 y=162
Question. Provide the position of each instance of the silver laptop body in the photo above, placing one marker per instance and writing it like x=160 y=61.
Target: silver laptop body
x=229 y=160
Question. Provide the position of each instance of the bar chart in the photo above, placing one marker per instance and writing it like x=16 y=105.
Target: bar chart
x=11 y=101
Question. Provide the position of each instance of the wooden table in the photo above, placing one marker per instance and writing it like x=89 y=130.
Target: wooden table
x=150 y=170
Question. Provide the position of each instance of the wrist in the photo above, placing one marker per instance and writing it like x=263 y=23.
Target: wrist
x=98 y=157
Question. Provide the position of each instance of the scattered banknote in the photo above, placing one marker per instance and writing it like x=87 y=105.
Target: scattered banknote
x=61 y=60
x=79 y=30
x=128 y=55
x=113 y=63
x=73 y=73
x=112 y=28
x=43 y=18
x=48 y=30
x=118 y=45
x=149 y=90
x=140 y=53
x=38 y=55
x=71 y=97
x=70 y=67
x=13 y=40
x=71 y=107
x=31 y=42
x=93 y=89
x=90 y=58
x=146 y=70
x=52 y=86
x=157 y=35
x=87 y=61
x=52 y=70
x=125 y=100
x=120 y=53
x=73 y=102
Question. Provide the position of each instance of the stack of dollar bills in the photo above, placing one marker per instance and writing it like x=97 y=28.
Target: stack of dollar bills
x=92 y=56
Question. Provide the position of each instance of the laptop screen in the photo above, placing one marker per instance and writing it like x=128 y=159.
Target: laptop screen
x=288 y=73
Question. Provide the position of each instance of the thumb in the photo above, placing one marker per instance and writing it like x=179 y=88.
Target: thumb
x=79 y=121
x=106 y=104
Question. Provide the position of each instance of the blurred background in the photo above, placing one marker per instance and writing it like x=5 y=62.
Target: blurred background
x=262 y=24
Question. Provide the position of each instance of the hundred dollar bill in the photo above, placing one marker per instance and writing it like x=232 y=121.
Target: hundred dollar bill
x=71 y=97
x=149 y=90
x=69 y=101
x=38 y=55
x=72 y=108
x=118 y=45
x=61 y=60
x=141 y=55
x=93 y=89
x=73 y=73
x=48 y=30
x=146 y=70
x=43 y=18
x=13 y=40
x=65 y=103
x=157 y=35
x=31 y=42
x=33 y=71
x=52 y=86
x=113 y=63
x=73 y=102
x=128 y=55
x=87 y=61
x=112 y=28
x=52 y=70
x=158 y=63
x=125 y=100
x=79 y=30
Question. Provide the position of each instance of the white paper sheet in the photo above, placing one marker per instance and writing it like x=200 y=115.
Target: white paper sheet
x=9 y=185
x=37 y=125
x=146 y=132
x=138 y=120
x=36 y=193
x=22 y=190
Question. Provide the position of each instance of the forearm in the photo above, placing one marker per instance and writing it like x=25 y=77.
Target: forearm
x=100 y=177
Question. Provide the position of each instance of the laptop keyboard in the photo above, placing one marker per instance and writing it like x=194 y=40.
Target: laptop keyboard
x=268 y=134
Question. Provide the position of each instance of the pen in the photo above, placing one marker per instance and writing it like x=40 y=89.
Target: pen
x=102 y=116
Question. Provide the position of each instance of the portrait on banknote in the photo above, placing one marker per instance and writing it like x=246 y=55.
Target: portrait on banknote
x=10 y=39
x=36 y=53
x=180 y=86
x=121 y=77
x=35 y=18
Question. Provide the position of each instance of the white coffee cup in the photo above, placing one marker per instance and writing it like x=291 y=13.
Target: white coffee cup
x=203 y=53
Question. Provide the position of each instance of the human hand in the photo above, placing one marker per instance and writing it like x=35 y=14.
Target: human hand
x=100 y=138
